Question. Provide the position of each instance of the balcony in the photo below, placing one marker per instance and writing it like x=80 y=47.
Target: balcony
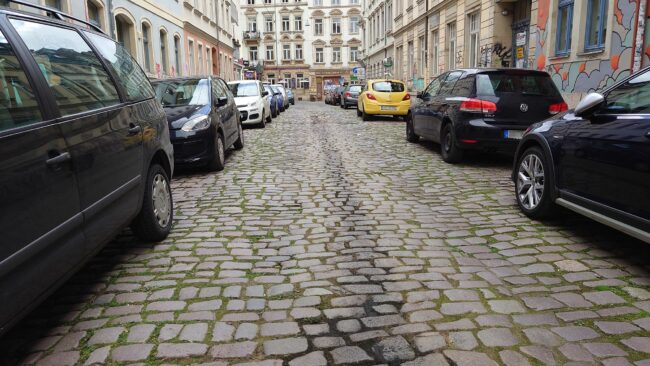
x=251 y=37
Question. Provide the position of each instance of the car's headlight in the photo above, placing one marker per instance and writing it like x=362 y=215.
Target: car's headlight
x=196 y=124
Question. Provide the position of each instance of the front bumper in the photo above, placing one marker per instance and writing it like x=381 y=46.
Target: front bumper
x=476 y=134
x=195 y=147
x=401 y=108
x=250 y=115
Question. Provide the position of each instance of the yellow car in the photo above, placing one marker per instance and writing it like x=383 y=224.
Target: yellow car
x=383 y=97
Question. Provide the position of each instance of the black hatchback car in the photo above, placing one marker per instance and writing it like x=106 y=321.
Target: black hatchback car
x=486 y=109
x=84 y=152
x=203 y=119
x=594 y=160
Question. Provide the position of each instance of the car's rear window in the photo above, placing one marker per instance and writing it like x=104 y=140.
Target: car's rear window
x=388 y=86
x=355 y=88
x=500 y=83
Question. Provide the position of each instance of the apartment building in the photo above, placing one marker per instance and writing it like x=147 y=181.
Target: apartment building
x=377 y=24
x=275 y=41
x=306 y=45
x=168 y=37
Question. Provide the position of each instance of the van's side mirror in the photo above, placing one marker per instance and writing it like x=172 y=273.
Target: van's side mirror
x=221 y=101
x=589 y=105
x=265 y=93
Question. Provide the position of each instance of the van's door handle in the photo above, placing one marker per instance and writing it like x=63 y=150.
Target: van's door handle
x=58 y=159
x=134 y=129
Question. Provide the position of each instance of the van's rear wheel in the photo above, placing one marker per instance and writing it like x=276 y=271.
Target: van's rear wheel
x=154 y=222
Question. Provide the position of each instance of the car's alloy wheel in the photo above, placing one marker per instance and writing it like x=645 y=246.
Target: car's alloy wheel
x=450 y=152
x=218 y=161
x=532 y=184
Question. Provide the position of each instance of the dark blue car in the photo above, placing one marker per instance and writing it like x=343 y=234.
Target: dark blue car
x=274 y=99
x=281 y=106
x=594 y=160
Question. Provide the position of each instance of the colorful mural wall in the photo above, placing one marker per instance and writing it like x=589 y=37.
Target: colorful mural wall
x=590 y=75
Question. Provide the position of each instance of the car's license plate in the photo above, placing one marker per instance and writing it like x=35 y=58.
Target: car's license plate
x=513 y=134
x=388 y=108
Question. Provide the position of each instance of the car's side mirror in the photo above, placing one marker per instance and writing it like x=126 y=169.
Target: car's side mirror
x=420 y=95
x=265 y=93
x=589 y=105
x=221 y=101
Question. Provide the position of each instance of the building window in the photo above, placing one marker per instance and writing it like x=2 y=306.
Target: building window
x=564 y=20
x=268 y=23
x=336 y=2
x=252 y=25
x=297 y=23
x=252 y=53
x=298 y=52
x=146 y=44
x=354 y=24
x=318 y=27
x=410 y=60
x=177 y=55
x=423 y=56
x=251 y=2
x=354 y=2
x=451 y=45
x=354 y=54
x=285 y=23
x=191 y=47
x=200 y=65
x=320 y=56
x=435 y=36
x=596 y=28
x=270 y=52
x=286 y=52
x=271 y=78
x=336 y=54
x=336 y=25
x=318 y=2
x=474 y=27
x=56 y=4
x=267 y=1
x=163 y=52
x=95 y=13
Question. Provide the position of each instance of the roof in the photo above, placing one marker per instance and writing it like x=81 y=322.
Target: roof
x=493 y=69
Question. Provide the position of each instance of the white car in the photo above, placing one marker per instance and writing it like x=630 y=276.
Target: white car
x=285 y=96
x=252 y=101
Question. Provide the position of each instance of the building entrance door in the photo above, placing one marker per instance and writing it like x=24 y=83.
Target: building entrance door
x=521 y=33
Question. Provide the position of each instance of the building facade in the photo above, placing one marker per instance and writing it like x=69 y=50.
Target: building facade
x=306 y=45
x=169 y=38
x=377 y=25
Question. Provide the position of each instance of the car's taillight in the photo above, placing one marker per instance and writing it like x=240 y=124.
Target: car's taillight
x=347 y=94
x=557 y=108
x=477 y=106
x=407 y=97
x=370 y=96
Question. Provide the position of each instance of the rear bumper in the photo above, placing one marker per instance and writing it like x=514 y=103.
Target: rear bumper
x=401 y=109
x=351 y=101
x=476 y=134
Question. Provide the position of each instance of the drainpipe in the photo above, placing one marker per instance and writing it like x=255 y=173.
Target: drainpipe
x=426 y=42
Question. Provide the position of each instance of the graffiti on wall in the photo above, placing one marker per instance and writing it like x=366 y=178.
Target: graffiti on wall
x=585 y=76
x=502 y=53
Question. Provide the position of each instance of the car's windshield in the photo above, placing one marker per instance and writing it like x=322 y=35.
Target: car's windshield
x=268 y=89
x=355 y=88
x=244 y=89
x=388 y=86
x=176 y=93
x=275 y=90
x=500 y=83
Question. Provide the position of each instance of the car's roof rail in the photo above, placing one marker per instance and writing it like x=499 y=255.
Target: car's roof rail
x=57 y=14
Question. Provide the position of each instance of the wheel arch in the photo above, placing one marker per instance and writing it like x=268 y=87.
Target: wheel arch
x=159 y=157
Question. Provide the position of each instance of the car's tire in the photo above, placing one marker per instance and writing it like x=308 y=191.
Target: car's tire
x=342 y=105
x=239 y=144
x=449 y=149
x=262 y=123
x=269 y=119
x=365 y=116
x=397 y=118
x=218 y=160
x=274 y=112
x=411 y=136
x=358 y=112
x=154 y=222
x=533 y=188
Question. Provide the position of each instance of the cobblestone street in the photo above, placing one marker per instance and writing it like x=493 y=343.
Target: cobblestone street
x=328 y=240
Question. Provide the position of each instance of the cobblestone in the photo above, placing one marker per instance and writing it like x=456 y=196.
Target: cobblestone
x=328 y=240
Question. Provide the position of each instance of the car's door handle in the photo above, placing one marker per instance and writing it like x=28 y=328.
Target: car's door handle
x=647 y=134
x=58 y=158
x=134 y=129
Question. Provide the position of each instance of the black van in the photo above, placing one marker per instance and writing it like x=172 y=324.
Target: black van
x=486 y=109
x=84 y=152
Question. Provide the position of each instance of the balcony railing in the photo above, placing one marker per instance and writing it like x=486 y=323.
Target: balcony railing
x=253 y=36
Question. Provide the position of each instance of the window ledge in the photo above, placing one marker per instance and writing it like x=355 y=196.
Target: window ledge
x=592 y=52
x=560 y=57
